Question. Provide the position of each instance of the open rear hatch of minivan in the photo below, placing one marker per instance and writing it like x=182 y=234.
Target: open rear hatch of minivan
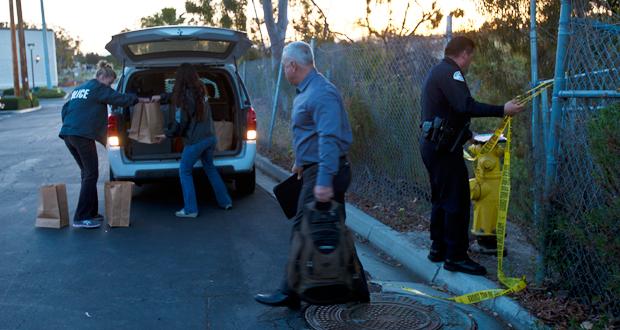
x=156 y=53
x=173 y=45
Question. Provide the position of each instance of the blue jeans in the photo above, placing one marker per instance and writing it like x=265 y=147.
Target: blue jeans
x=202 y=150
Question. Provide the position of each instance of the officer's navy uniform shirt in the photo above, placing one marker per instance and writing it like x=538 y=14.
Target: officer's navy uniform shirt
x=86 y=112
x=321 y=130
x=445 y=95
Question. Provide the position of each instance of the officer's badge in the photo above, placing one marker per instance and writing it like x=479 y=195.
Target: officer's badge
x=458 y=76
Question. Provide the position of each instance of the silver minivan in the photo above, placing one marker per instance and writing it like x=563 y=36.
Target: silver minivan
x=150 y=58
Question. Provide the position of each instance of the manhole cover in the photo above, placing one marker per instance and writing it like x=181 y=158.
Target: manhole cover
x=385 y=312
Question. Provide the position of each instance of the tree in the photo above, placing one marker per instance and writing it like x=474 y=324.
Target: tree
x=276 y=29
x=503 y=36
x=229 y=14
x=614 y=6
x=312 y=23
x=395 y=29
x=167 y=16
x=92 y=58
x=67 y=48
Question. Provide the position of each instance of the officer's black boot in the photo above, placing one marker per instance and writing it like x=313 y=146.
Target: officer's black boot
x=279 y=299
x=465 y=265
x=436 y=255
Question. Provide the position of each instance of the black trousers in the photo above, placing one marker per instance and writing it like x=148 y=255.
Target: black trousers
x=85 y=153
x=450 y=199
x=341 y=183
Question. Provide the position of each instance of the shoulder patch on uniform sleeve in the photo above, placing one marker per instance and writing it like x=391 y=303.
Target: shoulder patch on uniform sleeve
x=458 y=76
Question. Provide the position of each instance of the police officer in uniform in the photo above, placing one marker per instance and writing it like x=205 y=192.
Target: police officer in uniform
x=447 y=107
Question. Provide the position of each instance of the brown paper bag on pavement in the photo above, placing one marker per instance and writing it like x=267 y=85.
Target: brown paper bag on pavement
x=147 y=121
x=224 y=134
x=118 y=202
x=53 y=209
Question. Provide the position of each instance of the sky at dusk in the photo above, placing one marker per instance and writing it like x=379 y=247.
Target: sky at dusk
x=94 y=22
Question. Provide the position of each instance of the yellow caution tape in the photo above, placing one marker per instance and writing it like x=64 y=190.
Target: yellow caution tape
x=532 y=93
x=512 y=284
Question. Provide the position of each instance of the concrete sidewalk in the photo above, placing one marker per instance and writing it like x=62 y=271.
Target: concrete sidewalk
x=413 y=257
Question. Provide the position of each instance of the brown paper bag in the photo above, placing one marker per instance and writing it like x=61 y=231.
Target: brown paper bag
x=118 y=202
x=147 y=121
x=53 y=209
x=224 y=134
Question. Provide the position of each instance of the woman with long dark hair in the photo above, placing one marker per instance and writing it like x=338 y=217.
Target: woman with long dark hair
x=196 y=128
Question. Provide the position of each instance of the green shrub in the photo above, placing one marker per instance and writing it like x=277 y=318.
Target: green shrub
x=48 y=93
x=17 y=103
x=604 y=136
x=9 y=91
x=591 y=243
x=588 y=248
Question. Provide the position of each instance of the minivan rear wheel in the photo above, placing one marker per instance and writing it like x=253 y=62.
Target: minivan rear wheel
x=245 y=183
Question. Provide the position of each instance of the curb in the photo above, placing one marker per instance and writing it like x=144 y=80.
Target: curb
x=8 y=112
x=413 y=257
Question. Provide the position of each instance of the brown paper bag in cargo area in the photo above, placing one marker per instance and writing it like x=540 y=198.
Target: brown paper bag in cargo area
x=53 y=209
x=224 y=134
x=147 y=121
x=118 y=202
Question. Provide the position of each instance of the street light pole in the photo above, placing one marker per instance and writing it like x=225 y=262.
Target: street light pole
x=31 y=46
x=36 y=61
x=46 y=55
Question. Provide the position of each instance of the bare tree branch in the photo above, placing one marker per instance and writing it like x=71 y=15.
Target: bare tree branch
x=326 y=25
x=262 y=40
x=402 y=27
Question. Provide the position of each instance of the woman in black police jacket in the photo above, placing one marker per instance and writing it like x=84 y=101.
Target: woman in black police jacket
x=84 y=121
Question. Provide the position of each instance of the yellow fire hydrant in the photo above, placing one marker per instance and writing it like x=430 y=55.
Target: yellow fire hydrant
x=484 y=188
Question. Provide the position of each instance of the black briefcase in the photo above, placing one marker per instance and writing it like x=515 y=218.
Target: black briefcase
x=287 y=193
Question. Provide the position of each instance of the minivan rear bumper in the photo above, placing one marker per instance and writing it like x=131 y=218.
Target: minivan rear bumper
x=126 y=169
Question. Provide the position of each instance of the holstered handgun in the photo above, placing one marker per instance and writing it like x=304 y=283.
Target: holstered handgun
x=437 y=130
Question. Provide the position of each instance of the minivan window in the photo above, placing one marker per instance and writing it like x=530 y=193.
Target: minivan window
x=182 y=46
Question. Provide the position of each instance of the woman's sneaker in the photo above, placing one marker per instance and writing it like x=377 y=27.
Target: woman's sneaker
x=98 y=217
x=88 y=223
x=183 y=214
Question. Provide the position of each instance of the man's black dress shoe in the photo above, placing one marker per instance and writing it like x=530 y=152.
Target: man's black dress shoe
x=436 y=255
x=466 y=266
x=278 y=299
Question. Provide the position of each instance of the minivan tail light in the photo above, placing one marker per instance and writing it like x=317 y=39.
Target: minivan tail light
x=113 y=140
x=251 y=122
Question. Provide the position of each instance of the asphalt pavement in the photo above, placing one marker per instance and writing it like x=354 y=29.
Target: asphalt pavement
x=160 y=273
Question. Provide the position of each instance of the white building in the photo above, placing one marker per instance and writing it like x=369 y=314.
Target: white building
x=35 y=37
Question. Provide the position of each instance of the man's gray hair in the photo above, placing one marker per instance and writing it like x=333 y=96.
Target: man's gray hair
x=299 y=52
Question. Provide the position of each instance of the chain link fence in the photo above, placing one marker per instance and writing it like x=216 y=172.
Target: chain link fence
x=380 y=86
x=583 y=245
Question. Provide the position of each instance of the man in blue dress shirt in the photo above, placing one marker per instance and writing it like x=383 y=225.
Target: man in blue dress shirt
x=321 y=139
